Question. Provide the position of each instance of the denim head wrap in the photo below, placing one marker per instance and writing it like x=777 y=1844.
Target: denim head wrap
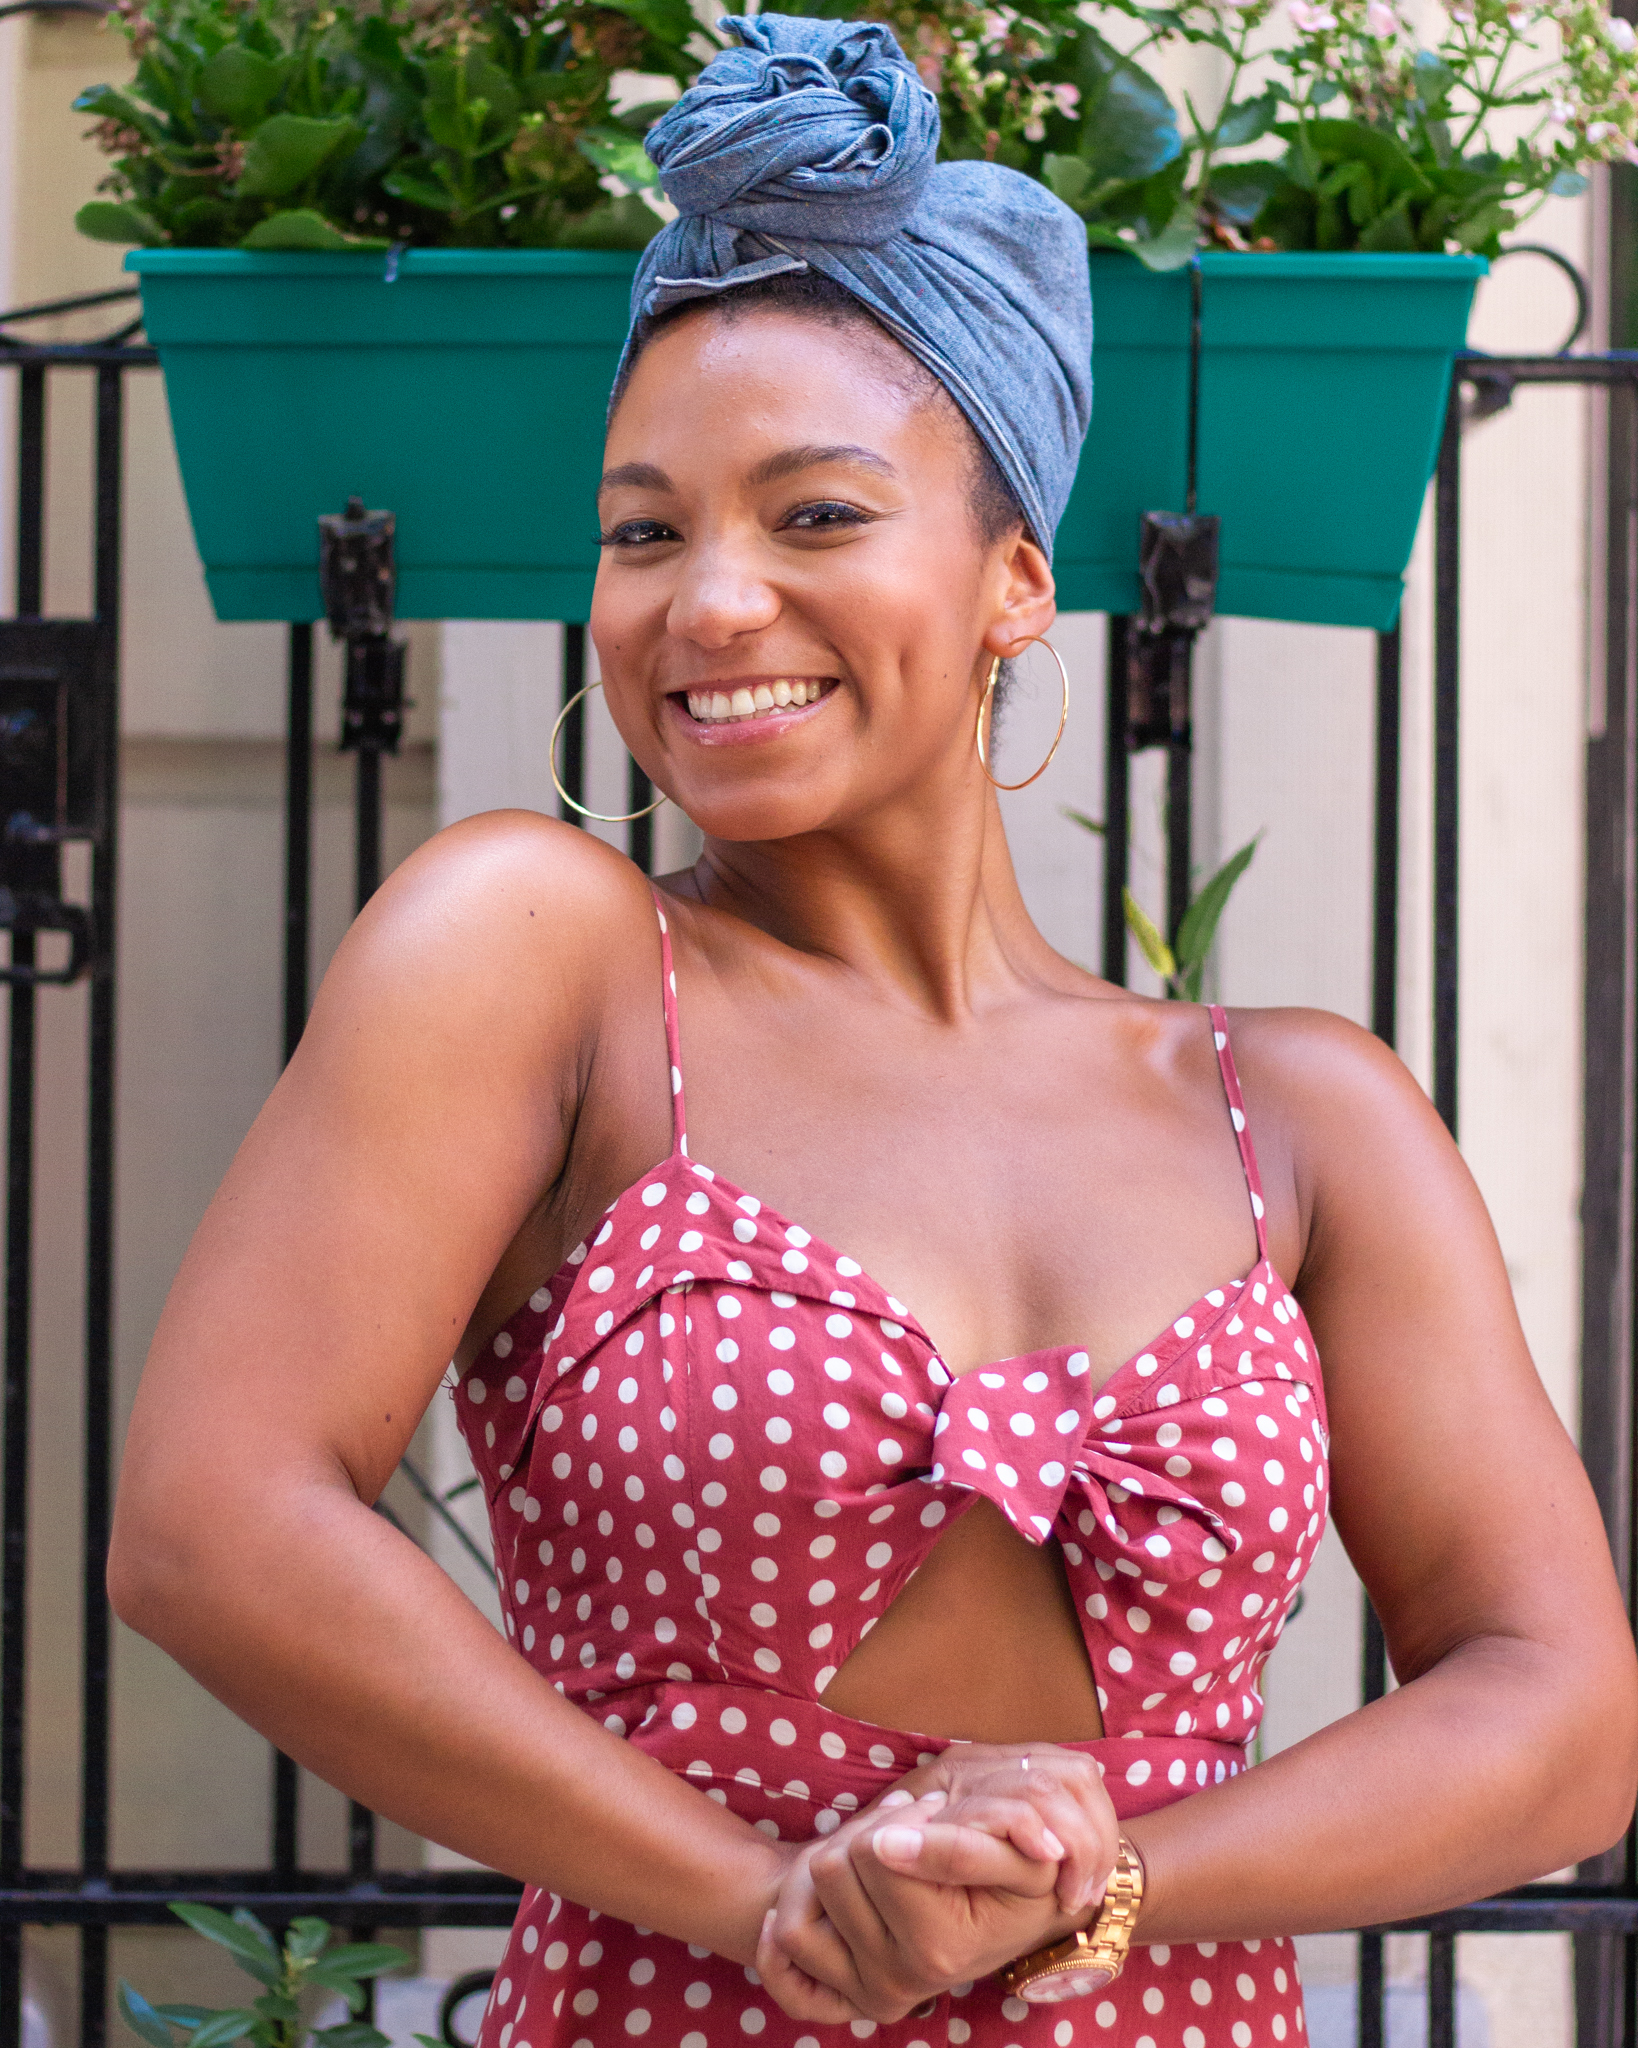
x=812 y=146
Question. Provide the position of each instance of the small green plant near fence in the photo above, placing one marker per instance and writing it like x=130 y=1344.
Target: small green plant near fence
x=282 y=2017
x=1181 y=966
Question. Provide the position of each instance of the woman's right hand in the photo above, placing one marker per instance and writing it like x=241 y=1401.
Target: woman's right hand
x=939 y=1884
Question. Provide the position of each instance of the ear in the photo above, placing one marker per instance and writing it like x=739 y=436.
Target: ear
x=1026 y=598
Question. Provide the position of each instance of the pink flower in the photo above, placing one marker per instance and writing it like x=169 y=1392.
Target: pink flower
x=1312 y=17
x=1381 y=21
x=1068 y=98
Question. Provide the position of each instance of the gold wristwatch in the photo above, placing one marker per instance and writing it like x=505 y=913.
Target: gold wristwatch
x=1087 y=1961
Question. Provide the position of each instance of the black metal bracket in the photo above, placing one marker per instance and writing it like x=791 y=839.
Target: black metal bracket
x=359 y=584
x=54 y=706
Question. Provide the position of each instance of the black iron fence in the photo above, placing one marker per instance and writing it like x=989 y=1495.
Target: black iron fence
x=59 y=785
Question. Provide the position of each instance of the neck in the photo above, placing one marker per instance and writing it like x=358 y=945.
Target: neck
x=920 y=900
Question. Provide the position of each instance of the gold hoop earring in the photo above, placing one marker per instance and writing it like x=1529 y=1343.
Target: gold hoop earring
x=602 y=817
x=984 y=705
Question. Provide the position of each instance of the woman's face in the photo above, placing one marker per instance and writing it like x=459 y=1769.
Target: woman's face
x=795 y=610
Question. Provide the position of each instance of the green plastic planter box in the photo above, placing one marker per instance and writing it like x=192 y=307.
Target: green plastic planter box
x=1323 y=382
x=466 y=395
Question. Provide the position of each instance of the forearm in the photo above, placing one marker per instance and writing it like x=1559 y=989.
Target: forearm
x=328 y=1631
x=1487 y=1771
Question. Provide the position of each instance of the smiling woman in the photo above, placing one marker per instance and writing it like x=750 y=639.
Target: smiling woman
x=892 y=1355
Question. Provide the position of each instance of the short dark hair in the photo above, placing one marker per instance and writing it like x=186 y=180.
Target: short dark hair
x=811 y=295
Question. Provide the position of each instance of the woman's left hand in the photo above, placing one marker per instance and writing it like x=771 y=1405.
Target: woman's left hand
x=965 y=1874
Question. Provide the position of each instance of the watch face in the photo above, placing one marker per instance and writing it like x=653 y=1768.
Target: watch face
x=1057 y=1985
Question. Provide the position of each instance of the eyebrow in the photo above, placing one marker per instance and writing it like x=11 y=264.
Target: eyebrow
x=644 y=476
x=790 y=460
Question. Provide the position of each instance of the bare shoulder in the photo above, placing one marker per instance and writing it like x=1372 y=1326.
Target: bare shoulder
x=1305 y=1064
x=1346 y=1137
x=504 y=910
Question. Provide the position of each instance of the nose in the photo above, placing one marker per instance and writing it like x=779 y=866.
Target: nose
x=721 y=594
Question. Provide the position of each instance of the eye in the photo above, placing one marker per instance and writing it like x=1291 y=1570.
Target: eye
x=824 y=515
x=637 y=533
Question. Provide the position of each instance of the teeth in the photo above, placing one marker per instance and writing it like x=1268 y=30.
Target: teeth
x=787 y=693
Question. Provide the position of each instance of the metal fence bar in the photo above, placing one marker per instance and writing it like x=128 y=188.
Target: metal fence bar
x=1117 y=804
x=97 y=1506
x=1447 y=597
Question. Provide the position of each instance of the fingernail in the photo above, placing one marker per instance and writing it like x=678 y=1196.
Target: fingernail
x=933 y=1800
x=903 y=1843
x=898 y=1799
x=1053 y=1847
x=768 y=1918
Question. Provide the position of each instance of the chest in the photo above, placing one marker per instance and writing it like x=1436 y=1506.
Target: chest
x=1022 y=1181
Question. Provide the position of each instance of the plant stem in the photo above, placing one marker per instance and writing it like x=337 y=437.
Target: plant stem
x=1202 y=183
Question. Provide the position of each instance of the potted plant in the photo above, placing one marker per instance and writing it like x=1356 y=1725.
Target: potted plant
x=387 y=253
x=384 y=260
x=1341 y=195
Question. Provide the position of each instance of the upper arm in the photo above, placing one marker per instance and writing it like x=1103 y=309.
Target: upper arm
x=428 y=1108
x=1456 y=1490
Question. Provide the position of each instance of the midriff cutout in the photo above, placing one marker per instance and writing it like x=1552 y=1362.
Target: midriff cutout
x=983 y=1644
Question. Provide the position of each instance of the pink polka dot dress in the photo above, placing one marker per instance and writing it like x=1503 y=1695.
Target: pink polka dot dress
x=714 y=1451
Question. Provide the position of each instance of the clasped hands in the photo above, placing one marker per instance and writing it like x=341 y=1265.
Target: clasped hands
x=984 y=1854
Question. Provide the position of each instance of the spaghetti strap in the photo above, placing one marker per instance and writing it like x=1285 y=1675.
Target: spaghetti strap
x=673 y=1036
x=1237 y=1114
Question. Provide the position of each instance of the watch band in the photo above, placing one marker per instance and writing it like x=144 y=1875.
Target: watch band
x=1086 y=1961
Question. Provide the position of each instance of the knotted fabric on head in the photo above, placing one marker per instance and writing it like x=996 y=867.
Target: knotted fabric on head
x=813 y=146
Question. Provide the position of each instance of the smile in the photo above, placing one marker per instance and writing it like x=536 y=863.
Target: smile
x=756 y=700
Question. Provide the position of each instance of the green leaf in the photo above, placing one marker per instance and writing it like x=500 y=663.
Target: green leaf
x=1069 y=177
x=1128 y=125
x=238 y=86
x=1200 y=920
x=1154 y=948
x=187 y=2016
x=619 y=155
x=360 y=1959
x=628 y=223
x=668 y=21
x=305 y=229
x=1247 y=121
x=306 y=1938
x=1392 y=233
x=141 y=2018
x=1239 y=192
x=286 y=150
x=1478 y=229
x=1080 y=818
x=354 y=2034
x=114 y=220
x=1176 y=242
x=1344 y=141
x=419 y=191
x=1434 y=83
x=244 y=1936
x=430 y=2041
x=222 y=2028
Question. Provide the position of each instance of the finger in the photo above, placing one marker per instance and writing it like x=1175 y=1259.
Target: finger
x=944 y=1853
x=803 y=1935
x=793 y=1989
x=1017 y=1819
